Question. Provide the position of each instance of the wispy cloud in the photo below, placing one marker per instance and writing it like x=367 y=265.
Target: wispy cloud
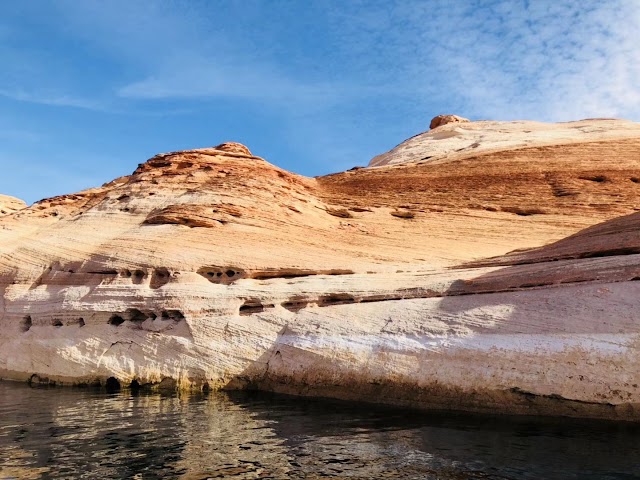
x=52 y=99
x=547 y=60
x=543 y=59
x=318 y=84
x=202 y=79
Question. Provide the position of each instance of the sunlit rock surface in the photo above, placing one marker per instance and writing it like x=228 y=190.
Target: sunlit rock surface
x=10 y=204
x=212 y=268
x=445 y=119
x=449 y=140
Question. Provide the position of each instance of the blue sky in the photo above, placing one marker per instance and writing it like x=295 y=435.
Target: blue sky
x=89 y=89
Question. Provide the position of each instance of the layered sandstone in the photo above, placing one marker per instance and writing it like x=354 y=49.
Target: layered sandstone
x=214 y=268
x=10 y=204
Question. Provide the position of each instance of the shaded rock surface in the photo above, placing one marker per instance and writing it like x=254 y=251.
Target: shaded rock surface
x=212 y=268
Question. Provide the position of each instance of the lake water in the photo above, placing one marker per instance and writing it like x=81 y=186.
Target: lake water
x=69 y=433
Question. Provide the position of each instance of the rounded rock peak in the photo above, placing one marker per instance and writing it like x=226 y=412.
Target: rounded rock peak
x=234 y=147
x=444 y=119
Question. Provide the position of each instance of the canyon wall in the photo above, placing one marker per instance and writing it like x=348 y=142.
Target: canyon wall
x=495 y=278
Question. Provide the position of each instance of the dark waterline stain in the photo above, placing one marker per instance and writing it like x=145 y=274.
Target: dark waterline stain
x=71 y=433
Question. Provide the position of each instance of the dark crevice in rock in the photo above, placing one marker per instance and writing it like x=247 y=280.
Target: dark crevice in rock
x=134 y=315
x=227 y=275
x=138 y=276
x=116 y=320
x=294 y=273
x=339 y=212
x=175 y=315
x=381 y=298
x=595 y=178
x=611 y=252
x=335 y=299
x=159 y=277
x=248 y=309
x=252 y=306
x=37 y=381
x=224 y=275
x=523 y=212
x=26 y=323
x=295 y=304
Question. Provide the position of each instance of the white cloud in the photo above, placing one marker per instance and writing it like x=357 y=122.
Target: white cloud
x=550 y=60
x=543 y=59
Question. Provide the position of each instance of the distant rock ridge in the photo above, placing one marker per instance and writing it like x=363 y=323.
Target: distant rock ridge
x=454 y=139
x=10 y=204
x=500 y=277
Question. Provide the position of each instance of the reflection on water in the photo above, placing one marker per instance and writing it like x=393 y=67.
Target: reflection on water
x=64 y=433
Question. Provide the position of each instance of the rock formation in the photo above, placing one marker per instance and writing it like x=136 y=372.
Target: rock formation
x=10 y=204
x=212 y=268
x=445 y=119
x=463 y=140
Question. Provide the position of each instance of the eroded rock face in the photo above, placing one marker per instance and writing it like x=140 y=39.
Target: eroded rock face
x=10 y=204
x=446 y=119
x=204 y=270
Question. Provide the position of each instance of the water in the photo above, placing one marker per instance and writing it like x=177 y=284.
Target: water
x=65 y=433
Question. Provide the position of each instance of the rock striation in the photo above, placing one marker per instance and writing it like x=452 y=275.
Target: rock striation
x=10 y=204
x=493 y=279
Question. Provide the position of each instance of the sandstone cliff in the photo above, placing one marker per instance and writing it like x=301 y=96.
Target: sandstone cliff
x=212 y=268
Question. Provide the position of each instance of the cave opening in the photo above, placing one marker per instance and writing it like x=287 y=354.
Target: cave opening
x=112 y=385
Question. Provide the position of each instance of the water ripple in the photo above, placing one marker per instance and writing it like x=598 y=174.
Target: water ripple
x=64 y=433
